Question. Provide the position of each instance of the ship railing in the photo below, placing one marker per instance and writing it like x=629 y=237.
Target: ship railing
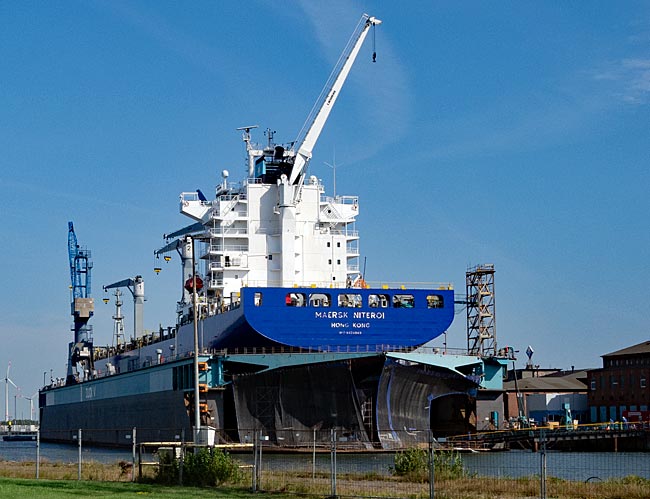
x=323 y=349
x=342 y=349
x=218 y=231
x=351 y=200
x=343 y=232
x=343 y=285
x=193 y=196
x=218 y=248
x=409 y=285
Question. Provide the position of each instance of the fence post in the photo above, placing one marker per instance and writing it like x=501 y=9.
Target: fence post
x=182 y=457
x=133 y=436
x=79 y=442
x=259 y=459
x=254 y=477
x=38 y=452
x=333 y=462
x=313 y=459
x=431 y=467
x=139 y=462
x=542 y=474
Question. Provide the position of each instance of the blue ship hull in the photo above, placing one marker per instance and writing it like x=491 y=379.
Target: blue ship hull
x=331 y=319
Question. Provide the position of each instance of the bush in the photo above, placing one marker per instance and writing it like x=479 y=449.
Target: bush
x=413 y=464
x=209 y=467
x=168 y=469
x=205 y=467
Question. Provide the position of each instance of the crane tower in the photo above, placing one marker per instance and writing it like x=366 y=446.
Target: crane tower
x=82 y=308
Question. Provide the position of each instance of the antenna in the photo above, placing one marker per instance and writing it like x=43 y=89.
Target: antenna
x=333 y=167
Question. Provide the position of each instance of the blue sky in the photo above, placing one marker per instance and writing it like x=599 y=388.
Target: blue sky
x=513 y=133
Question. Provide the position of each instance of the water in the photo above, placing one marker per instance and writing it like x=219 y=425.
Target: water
x=60 y=453
x=580 y=466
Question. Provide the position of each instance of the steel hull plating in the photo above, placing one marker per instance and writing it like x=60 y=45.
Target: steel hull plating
x=159 y=417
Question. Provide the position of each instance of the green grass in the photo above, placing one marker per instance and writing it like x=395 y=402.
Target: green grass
x=18 y=488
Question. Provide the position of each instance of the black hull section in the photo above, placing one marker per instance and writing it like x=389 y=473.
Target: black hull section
x=158 y=417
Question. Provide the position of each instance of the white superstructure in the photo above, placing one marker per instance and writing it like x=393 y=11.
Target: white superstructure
x=255 y=236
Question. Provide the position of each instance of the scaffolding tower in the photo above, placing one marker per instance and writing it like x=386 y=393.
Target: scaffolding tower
x=481 y=319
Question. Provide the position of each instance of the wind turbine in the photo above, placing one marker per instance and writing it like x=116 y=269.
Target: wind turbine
x=7 y=381
x=31 y=405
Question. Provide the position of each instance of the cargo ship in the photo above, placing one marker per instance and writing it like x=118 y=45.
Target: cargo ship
x=277 y=328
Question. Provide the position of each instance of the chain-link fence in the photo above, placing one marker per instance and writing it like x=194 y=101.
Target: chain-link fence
x=427 y=470
x=331 y=463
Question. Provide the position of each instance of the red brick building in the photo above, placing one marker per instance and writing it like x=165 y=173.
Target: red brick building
x=622 y=384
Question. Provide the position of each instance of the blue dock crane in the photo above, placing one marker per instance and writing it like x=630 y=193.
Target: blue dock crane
x=82 y=309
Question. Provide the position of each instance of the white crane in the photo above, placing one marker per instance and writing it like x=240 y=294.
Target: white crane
x=289 y=189
x=313 y=127
x=136 y=286
x=7 y=382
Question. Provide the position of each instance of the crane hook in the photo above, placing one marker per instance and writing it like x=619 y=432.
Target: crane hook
x=374 y=51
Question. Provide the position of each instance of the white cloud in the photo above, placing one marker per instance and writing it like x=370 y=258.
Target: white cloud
x=629 y=79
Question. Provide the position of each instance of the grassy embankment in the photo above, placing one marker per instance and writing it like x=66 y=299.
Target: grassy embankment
x=59 y=481
x=20 y=488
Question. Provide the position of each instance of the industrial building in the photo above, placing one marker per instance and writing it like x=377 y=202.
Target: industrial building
x=620 y=388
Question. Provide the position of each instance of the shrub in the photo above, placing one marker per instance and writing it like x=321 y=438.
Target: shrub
x=168 y=469
x=413 y=464
x=205 y=467
x=209 y=467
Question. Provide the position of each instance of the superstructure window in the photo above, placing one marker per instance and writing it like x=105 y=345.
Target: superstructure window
x=435 y=301
x=320 y=300
x=403 y=301
x=378 y=301
x=349 y=300
x=295 y=300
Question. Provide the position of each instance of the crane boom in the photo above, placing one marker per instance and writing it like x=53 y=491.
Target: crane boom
x=316 y=120
x=80 y=266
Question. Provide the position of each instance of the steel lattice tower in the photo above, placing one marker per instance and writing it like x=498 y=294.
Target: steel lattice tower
x=481 y=319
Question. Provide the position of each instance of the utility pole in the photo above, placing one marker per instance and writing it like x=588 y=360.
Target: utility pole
x=197 y=415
